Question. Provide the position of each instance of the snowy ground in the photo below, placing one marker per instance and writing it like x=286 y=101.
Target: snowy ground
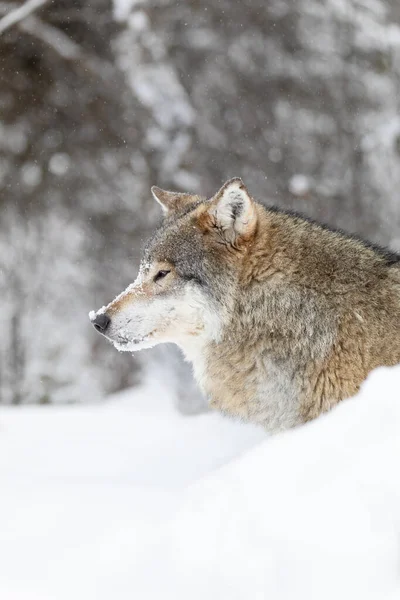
x=131 y=500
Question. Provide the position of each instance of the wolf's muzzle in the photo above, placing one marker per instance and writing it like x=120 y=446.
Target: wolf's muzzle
x=101 y=322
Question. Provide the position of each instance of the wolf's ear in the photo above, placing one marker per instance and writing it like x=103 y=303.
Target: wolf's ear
x=170 y=201
x=234 y=210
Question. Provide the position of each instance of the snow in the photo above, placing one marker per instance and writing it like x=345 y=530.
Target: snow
x=31 y=175
x=157 y=86
x=299 y=185
x=123 y=8
x=59 y=163
x=129 y=499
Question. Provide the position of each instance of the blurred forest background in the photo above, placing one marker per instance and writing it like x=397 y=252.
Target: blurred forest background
x=99 y=100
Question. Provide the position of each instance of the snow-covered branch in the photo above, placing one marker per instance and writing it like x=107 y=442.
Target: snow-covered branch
x=19 y=14
x=53 y=37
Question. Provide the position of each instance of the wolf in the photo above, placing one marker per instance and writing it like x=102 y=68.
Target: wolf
x=280 y=316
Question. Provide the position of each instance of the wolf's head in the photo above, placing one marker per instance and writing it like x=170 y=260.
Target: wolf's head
x=189 y=272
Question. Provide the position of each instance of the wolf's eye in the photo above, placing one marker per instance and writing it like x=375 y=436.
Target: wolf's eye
x=160 y=275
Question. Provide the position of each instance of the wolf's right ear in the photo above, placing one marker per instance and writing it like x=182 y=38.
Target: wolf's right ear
x=170 y=201
x=234 y=211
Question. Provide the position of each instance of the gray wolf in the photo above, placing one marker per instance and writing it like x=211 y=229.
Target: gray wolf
x=280 y=316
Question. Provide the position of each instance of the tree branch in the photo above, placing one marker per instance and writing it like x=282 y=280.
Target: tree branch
x=53 y=37
x=19 y=14
x=58 y=41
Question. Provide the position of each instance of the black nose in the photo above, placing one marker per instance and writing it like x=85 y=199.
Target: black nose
x=101 y=322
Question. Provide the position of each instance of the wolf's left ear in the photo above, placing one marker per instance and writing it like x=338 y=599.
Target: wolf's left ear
x=234 y=210
x=170 y=201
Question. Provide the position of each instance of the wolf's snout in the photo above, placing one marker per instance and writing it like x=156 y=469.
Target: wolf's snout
x=101 y=322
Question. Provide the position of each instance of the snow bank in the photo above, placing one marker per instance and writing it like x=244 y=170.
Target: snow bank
x=131 y=500
x=83 y=489
x=313 y=513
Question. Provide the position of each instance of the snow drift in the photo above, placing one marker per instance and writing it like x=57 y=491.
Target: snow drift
x=131 y=500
